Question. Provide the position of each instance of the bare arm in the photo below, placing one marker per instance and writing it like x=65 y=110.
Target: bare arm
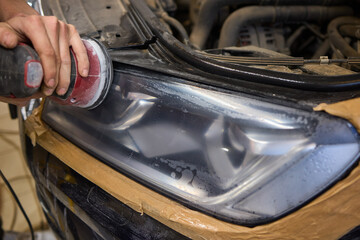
x=50 y=37
x=11 y=8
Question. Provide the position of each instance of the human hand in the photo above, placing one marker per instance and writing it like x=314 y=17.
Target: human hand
x=51 y=39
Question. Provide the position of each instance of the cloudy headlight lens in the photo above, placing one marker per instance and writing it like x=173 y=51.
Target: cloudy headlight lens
x=228 y=154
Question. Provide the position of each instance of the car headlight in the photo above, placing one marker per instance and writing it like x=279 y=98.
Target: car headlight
x=231 y=155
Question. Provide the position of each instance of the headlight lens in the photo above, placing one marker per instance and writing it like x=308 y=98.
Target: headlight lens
x=236 y=157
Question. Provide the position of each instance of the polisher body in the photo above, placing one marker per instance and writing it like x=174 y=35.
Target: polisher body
x=21 y=75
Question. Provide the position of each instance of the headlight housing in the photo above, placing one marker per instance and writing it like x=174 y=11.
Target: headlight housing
x=231 y=155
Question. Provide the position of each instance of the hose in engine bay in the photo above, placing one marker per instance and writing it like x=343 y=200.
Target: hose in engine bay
x=209 y=9
x=269 y=14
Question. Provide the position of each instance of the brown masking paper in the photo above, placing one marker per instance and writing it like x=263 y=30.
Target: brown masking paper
x=37 y=128
x=349 y=109
x=329 y=216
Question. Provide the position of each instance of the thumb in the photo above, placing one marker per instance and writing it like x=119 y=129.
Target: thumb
x=8 y=37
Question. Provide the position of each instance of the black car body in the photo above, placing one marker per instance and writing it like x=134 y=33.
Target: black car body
x=227 y=130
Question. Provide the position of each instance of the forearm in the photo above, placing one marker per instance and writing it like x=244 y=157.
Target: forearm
x=11 y=8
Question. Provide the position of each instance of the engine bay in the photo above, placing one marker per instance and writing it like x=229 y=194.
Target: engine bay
x=312 y=37
x=267 y=47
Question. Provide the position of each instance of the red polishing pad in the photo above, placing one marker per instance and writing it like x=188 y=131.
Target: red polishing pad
x=89 y=92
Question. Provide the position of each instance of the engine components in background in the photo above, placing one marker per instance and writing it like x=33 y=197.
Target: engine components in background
x=271 y=38
x=209 y=9
x=163 y=13
x=338 y=41
x=268 y=14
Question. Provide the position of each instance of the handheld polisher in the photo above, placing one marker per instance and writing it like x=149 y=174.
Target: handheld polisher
x=21 y=75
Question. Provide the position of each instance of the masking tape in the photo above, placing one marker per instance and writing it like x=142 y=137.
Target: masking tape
x=329 y=216
x=349 y=109
x=37 y=128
